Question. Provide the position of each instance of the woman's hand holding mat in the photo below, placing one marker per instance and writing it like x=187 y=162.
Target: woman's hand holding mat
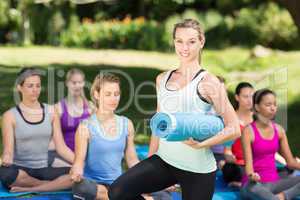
x=182 y=126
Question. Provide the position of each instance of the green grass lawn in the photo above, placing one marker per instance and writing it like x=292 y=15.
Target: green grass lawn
x=279 y=71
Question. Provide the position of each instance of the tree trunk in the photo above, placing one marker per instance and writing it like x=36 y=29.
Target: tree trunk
x=142 y=8
x=26 y=29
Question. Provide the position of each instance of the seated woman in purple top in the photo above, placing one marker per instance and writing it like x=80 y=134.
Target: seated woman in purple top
x=72 y=110
x=75 y=107
x=261 y=140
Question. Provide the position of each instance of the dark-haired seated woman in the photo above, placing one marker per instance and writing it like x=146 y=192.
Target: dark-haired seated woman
x=27 y=130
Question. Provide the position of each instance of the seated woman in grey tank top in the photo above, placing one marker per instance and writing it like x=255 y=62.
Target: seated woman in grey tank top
x=27 y=129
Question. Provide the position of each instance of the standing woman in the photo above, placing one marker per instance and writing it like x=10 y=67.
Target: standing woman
x=261 y=140
x=27 y=129
x=189 y=88
x=75 y=107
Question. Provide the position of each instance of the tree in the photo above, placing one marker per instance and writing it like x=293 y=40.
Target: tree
x=293 y=6
x=23 y=6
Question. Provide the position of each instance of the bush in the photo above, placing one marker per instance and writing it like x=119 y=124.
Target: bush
x=268 y=25
x=10 y=20
x=214 y=24
x=216 y=29
x=125 y=34
x=4 y=9
x=278 y=29
x=169 y=26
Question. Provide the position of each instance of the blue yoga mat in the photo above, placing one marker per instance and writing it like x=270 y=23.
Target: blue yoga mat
x=4 y=193
x=43 y=197
x=296 y=173
x=142 y=151
x=182 y=126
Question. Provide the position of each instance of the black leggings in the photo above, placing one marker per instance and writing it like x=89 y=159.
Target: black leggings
x=8 y=175
x=153 y=174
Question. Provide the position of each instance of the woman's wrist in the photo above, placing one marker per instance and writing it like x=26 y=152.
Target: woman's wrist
x=253 y=176
x=78 y=164
x=250 y=175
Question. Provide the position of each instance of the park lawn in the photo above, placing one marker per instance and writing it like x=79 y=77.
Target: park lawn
x=219 y=61
x=279 y=71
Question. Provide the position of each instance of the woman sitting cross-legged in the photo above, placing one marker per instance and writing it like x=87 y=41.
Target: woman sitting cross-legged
x=261 y=140
x=27 y=130
x=101 y=142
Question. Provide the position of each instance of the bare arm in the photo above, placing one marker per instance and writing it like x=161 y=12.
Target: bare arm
x=130 y=153
x=247 y=139
x=60 y=145
x=8 y=123
x=153 y=146
x=82 y=136
x=92 y=107
x=285 y=150
x=214 y=92
x=280 y=159
x=58 y=109
x=228 y=154
x=154 y=141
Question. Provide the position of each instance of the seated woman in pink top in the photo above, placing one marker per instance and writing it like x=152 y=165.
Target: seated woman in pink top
x=261 y=140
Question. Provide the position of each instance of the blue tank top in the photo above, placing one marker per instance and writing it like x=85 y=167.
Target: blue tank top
x=103 y=162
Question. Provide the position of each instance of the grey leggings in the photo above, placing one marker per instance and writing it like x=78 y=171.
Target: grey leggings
x=290 y=186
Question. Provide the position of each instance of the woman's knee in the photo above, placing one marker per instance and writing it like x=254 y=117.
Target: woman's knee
x=8 y=175
x=115 y=192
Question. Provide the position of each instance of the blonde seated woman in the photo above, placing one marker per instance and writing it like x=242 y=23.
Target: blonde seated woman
x=101 y=142
x=71 y=109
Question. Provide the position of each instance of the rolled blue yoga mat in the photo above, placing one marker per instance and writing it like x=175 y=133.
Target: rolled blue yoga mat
x=182 y=126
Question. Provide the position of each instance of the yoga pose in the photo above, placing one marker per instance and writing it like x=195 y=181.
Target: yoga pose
x=72 y=110
x=27 y=130
x=102 y=141
x=191 y=164
x=75 y=107
x=261 y=140
x=233 y=154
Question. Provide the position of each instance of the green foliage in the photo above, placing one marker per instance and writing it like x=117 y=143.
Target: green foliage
x=268 y=25
x=278 y=29
x=4 y=10
x=46 y=21
x=125 y=34
x=10 y=20
x=55 y=26
x=169 y=26
x=100 y=25
x=160 y=9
